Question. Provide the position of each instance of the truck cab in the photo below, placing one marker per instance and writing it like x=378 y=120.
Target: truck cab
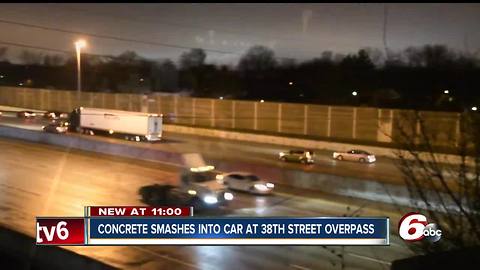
x=199 y=180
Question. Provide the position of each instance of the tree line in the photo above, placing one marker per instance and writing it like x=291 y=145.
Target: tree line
x=432 y=77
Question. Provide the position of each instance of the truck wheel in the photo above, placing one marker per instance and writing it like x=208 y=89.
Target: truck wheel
x=283 y=159
x=339 y=158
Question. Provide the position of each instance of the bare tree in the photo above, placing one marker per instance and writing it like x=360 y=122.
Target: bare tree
x=31 y=58
x=448 y=189
x=257 y=58
x=53 y=60
x=193 y=58
x=3 y=53
x=429 y=55
x=375 y=55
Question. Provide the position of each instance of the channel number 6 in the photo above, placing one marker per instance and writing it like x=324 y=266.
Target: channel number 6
x=411 y=227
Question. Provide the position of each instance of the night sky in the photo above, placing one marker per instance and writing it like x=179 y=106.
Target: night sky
x=299 y=31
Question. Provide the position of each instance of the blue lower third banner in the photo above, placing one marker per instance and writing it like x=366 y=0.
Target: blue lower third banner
x=238 y=231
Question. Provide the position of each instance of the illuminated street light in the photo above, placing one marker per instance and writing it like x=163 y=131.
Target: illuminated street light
x=220 y=98
x=79 y=44
x=290 y=83
x=141 y=79
x=354 y=93
x=446 y=91
x=261 y=100
x=474 y=108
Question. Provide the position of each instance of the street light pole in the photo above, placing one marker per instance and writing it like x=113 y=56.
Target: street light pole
x=78 y=46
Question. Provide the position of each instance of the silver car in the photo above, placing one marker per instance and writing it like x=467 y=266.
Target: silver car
x=247 y=182
x=355 y=155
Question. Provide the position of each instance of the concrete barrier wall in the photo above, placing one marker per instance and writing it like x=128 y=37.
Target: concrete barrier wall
x=335 y=122
x=88 y=144
x=309 y=143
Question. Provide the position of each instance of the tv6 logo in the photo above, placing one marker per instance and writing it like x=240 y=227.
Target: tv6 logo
x=56 y=231
x=415 y=227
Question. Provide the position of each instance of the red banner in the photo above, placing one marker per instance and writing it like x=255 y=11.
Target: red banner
x=138 y=211
x=60 y=231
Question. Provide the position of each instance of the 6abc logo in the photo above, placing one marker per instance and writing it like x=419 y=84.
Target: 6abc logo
x=414 y=227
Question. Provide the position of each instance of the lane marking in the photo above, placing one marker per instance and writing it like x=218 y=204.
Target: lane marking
x=299 y=267
x=168 y=258
x=368 y=258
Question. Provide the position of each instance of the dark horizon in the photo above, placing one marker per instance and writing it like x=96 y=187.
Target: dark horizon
x=226 y=31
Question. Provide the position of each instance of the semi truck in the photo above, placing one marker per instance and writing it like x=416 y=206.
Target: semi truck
x=133 y=126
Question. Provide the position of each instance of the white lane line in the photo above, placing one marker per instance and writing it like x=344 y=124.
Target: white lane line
x=296 y=266
x=369 y=258
x=168 y=258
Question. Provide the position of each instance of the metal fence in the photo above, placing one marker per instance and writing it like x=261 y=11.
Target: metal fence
x=340 y=122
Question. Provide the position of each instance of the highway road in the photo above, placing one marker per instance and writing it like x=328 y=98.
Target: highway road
x=42 y=180
x=216 y=149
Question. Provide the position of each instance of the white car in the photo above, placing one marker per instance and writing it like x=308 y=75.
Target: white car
x=248 y=182
x=355 y=155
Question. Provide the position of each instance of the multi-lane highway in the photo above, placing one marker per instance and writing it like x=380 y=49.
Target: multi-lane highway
x=383 y=170
x=41 y=180
x=38 y=180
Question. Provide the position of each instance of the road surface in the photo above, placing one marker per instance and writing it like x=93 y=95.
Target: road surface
x=41 y=180
x=383 y=170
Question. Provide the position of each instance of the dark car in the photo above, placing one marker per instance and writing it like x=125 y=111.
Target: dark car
x=26 y=114
x=55 y=115
x=56 y=127
x=302 y=156
x=156 y=195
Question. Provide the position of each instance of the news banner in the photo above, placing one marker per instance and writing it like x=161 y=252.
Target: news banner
x=133 y=225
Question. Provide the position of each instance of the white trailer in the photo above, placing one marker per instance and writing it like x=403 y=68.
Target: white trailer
x=129 y=125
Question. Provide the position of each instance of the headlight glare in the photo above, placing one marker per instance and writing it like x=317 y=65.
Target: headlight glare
x=261 y=187
x=210 y=199
x=228 y=196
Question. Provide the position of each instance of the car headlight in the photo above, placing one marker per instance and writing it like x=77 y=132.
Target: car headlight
x=219 y=177
x=210 y=199
x=270 y=185
x=60 y=129
x=228 y=196
x=261 y=187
